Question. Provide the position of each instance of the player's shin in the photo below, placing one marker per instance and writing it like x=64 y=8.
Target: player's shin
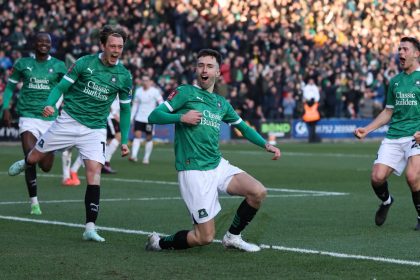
x=30 y=179
x=92 y=203
x=243 y=217
x=177 y=241
x=381 y=191
x=416 y=201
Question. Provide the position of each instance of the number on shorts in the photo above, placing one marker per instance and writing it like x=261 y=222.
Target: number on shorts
x=415 y=145
x=103 y=146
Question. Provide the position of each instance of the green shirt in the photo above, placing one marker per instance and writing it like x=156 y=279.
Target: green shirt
x=197 y=147
x=404 y=98
x=38 y=78
x=94 y=88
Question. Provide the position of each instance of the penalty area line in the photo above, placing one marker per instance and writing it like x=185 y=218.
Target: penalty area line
x=263 y=246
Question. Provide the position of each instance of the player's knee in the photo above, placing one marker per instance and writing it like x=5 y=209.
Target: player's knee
x=413 y=180
x=260 y=193
x=378 y=178
x=46 y=163
x=205 y=239
x=46 y=167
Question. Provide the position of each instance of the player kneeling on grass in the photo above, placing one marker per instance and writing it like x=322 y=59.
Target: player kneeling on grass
x=197 y=113
x=89 y=88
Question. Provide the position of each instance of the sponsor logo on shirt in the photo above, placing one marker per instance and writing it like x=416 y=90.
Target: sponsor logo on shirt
x=97 y=91
x=210 y=119
x=405 y=98
x=39 y=83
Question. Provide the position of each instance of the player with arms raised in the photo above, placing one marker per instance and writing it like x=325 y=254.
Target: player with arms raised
x=197 y=112
x=89 y=88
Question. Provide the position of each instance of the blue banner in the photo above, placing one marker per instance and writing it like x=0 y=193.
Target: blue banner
x=336 y=128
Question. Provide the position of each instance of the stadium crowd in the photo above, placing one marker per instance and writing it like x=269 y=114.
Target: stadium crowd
x=271 y=47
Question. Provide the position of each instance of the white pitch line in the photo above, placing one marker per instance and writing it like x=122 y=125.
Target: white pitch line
x=264 y=246
x=341 y=255
x=158 y=182
x=146 y=199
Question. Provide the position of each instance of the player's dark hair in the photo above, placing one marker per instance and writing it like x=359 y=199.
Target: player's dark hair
x=108 y=30
x=210 y=52
x=413 y=41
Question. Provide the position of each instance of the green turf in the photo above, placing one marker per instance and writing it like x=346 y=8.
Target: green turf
x=146 y=198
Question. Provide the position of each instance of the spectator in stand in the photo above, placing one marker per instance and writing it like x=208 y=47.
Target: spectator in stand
x=302 y=38
x=289 y=105
x=366 y=105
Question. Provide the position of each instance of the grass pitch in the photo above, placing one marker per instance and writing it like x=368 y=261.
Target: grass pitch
x=316 y=223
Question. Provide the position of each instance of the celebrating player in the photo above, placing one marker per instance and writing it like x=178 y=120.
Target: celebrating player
x=39 y=75
x=89 y=88
x=197 y=113
x=400 y=148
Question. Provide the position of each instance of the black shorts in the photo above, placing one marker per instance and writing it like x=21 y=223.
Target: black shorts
x=112 y=127
x=145 y=127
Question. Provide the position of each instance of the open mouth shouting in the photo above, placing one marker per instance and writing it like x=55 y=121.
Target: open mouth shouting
x=402 y=61
x=113 y=58
x=204 y=78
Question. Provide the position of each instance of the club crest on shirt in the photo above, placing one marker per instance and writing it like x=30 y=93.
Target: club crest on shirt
x=219 y=104
x=50 y=70
x=113 y=79
x=418 y=83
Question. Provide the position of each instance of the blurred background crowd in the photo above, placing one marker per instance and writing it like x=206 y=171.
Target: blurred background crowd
x=271 y=48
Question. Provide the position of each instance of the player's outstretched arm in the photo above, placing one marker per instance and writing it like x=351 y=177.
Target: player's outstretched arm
x=124 y=150
x=255 y=138
x=383 y=118
x=272 y=149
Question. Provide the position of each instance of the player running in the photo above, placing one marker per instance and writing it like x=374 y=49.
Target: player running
x=39 y=74
x=89 y=88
